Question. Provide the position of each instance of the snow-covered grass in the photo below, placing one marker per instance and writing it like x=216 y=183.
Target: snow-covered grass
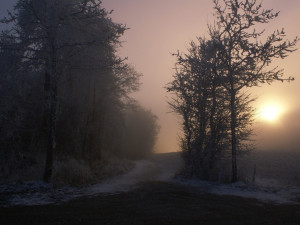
x=161 y=167
x=263 y=189
x=272 y=167
x=71 y=172
x=272 y=176
x=158 y=168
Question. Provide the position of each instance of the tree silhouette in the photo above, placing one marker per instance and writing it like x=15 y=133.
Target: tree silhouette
x=199 y=99
x=203 y=103
x=210 y=81
x=72 y=45
x=245 y=57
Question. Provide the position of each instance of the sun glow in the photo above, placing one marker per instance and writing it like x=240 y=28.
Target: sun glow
x=270 y=112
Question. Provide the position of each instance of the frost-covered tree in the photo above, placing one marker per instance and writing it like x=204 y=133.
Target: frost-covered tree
x=245 y=54
x=199 y=99
x=71 y=45
x=203 y=103
x=235 y=57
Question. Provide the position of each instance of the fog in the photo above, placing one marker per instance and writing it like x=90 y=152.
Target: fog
x=87 y=131
x=283 y=135
x=159 y=28
x=163 y=28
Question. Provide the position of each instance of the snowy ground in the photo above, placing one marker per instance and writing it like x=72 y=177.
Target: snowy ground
x=266 y=193
x=159 y=168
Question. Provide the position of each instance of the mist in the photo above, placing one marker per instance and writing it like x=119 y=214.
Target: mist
x=280 y=136
x=175 y=24
x=148 y=112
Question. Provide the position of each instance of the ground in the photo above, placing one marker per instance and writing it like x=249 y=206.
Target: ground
x=155 y=203
x=149 y=194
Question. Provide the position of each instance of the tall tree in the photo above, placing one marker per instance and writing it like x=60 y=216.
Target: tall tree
x=245 y=56
x=200 y=99
x=51 y=32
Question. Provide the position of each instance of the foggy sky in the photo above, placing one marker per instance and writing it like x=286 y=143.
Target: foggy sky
x=159 y=28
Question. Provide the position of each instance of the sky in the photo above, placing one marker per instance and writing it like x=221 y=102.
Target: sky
x=159 y=28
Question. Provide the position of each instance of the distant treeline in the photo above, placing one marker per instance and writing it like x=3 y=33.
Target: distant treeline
x=64 y=92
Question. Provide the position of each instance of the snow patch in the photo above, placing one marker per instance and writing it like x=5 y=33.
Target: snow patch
x=159 y=168
x=264 y=190
x=39 y=193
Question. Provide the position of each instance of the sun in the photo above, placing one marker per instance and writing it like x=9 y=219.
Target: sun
x=270 y=112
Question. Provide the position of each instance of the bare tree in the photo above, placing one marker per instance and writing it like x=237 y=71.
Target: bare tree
x=201 y=100
x=245 y=56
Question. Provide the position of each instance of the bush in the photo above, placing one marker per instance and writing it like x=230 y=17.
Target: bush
x=72 y=172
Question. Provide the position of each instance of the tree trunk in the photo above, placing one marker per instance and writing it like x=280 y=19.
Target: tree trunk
x=51 y=138
x=213 y=134
x=188 y=138
x=233 y=135
x=52 y=102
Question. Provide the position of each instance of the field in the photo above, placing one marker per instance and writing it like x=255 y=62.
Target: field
x=155 y=203
x=149 y=195
x=281 y=168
